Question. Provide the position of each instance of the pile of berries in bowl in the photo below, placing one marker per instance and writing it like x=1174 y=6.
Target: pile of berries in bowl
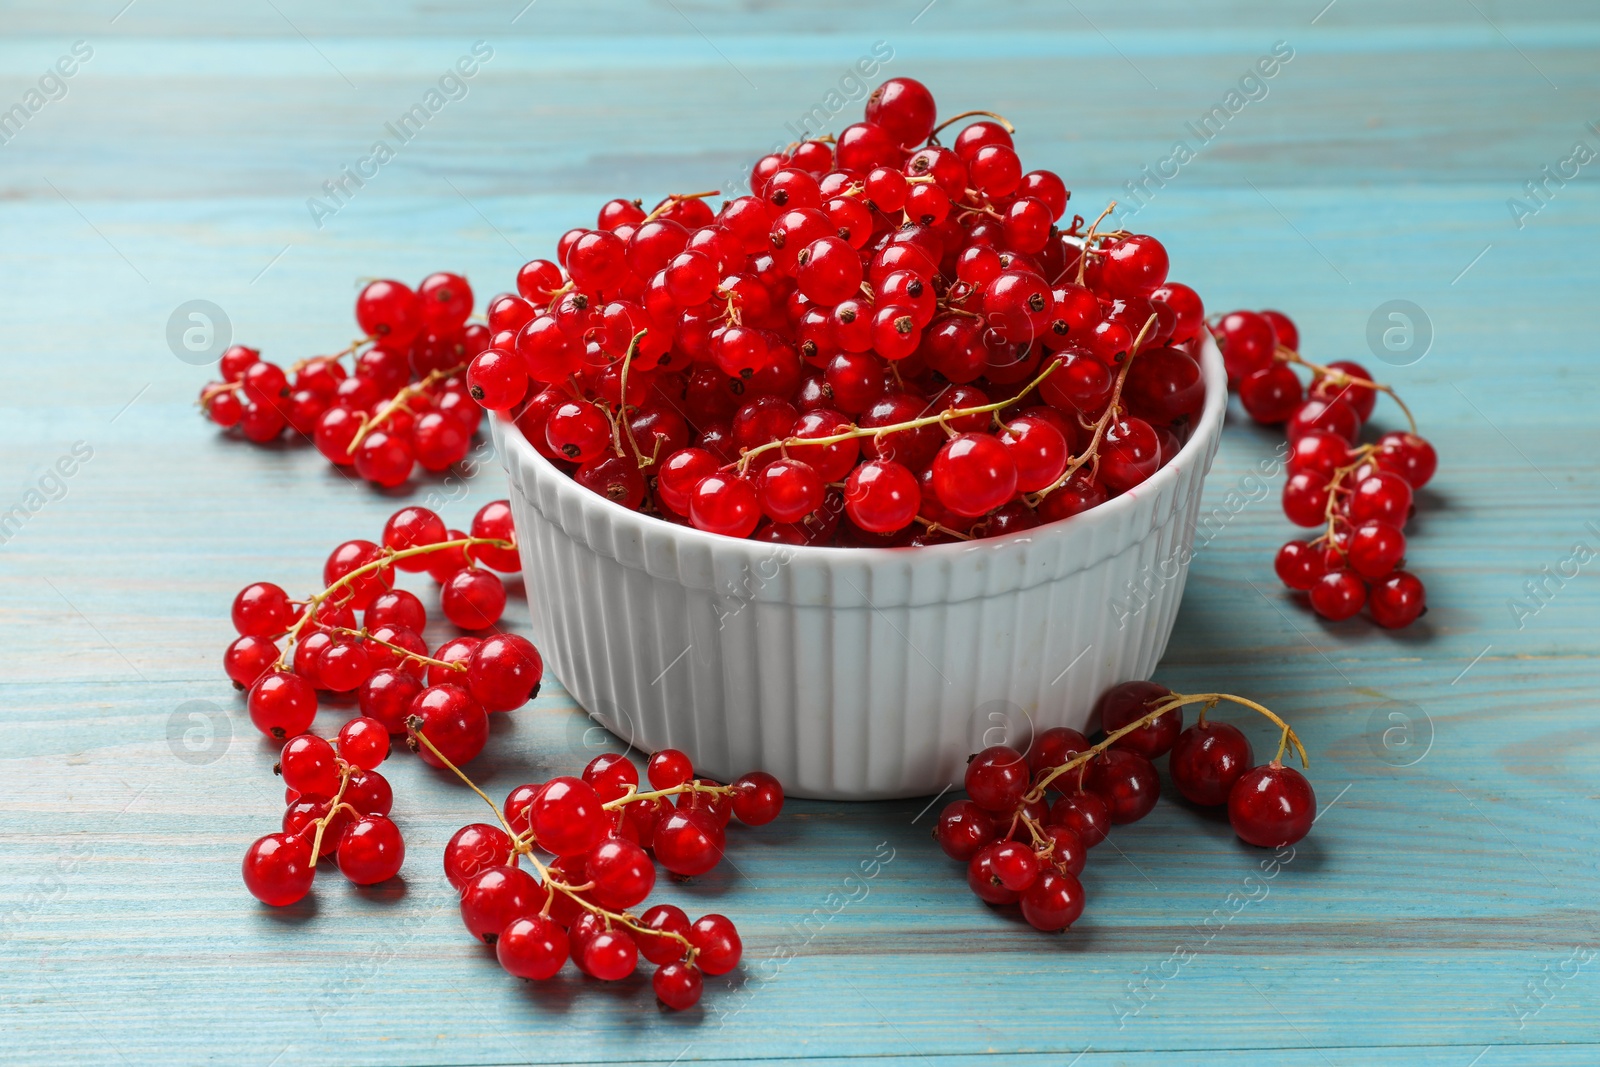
x=720 y=425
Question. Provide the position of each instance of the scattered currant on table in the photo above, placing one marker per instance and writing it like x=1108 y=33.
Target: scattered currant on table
x=1028 y=823
x=1361 y=495
x=890 y=342
x=406 y=401
x=602 y=838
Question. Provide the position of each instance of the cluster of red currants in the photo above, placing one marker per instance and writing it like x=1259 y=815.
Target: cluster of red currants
x=404 y=403
x=1023 y=847
x=598 y=834
x=338 y=805
x=850 y=354
x=385 y=660
x=1360 y=494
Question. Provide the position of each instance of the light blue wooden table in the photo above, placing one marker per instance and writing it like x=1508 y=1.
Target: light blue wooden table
x=1442 y=912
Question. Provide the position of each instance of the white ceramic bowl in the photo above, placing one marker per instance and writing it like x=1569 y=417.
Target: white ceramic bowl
x=851 y=673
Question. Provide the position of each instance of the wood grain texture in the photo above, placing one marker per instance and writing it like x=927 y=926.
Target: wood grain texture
x=1406 y=929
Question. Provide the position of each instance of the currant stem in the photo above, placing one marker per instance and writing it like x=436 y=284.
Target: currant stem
x=1168 y=703
x=694 y=785
x=1083 y=256
x=674 y=199
x=1339 y=377
x=743 y=462
x=333 y=809
x=1004 y=122
x=1091 y=451
x=389 y=555
x=407 y=656
x=396 y=402
x=622 y=406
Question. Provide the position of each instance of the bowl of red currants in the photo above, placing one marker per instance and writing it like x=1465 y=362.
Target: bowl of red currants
x=855 y=474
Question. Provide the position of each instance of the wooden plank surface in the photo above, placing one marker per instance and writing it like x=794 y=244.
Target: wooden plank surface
x=1453 y=864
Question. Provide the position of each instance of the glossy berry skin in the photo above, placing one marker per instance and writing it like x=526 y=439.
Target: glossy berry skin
x=262 y=610
x=667 y=919
x=1397 y=601
x=1126 y=703
x=1299 y=565
x=757 y=798
x=1208 y=758
x=566 y=817
x=384 y=458
x=1381 y=497
x=247 y=659
x=1054 y=747
x=371 y=850
x=1272 y=806
x=413 y=527
x=451 y=719
x=1085 y=814
x=1409 y=456
x=1375 y=549
x=985 y=882
x=622 y=873
x=1130 y=453
x=1333 y=416
x=494 y=897
x=364 y=741
x=532 y=947
x=997 y=778
x=475 y=847
x=278 y=869
x=725 y=504
x=282 y=705
x=386 y=697
x=1338 y=594
x=882 y=496
x=309 y=764
x=1271 y=395
x=719 y=944
x=963 y=829
x=611 y=775
x=789 y=490
x=1014 y=865
x=369 y=793
x=688 y=842
x=494 y=520
x=388 y=310
x=677 y=985
x=504 y=672
x=1134 y=266
x=668 y=768
x=904 y=108
x=1305 y=498
x=1054 y=901
x=473 y=598
x=1126 y=781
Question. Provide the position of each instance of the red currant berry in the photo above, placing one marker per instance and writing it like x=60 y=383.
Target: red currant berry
x=1208 y=759
x=1134 y=266
x=984 y=882
x=495 y=897
x=455 y=723
x=613 y=776
x=1130 y=453
x=566 y=816
x=278 y=869
x=1272 y=806
x=532 y=946
x=660 y=948
x=1054 y=747
x=1305 y=498
x=1271 y=395
x=1375 y=549
x=247 y=659
x=668 y=768
x=677 y=985
x=364 y=742
x=1338 y=594
x=1053 y=902
x=1334 y=416
x=262 y=610
x=757 y=798
x=1299 y=565
x=504 y=672
x=688 y=842
x=1084 y=814
x=1381 y=497
x=473 y=599
x=371 y=851
x=1398 y=600
x=718 y=943
x=1126 y=781
x=621 y=872
x=1068 y=854
x=309 y=765
x=282 y=705
x=1130 y=701
x=473 y=848
x=1407 y=455
x=386 y=697
x=996 y=779
x=963 y=829
x=610 y=955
